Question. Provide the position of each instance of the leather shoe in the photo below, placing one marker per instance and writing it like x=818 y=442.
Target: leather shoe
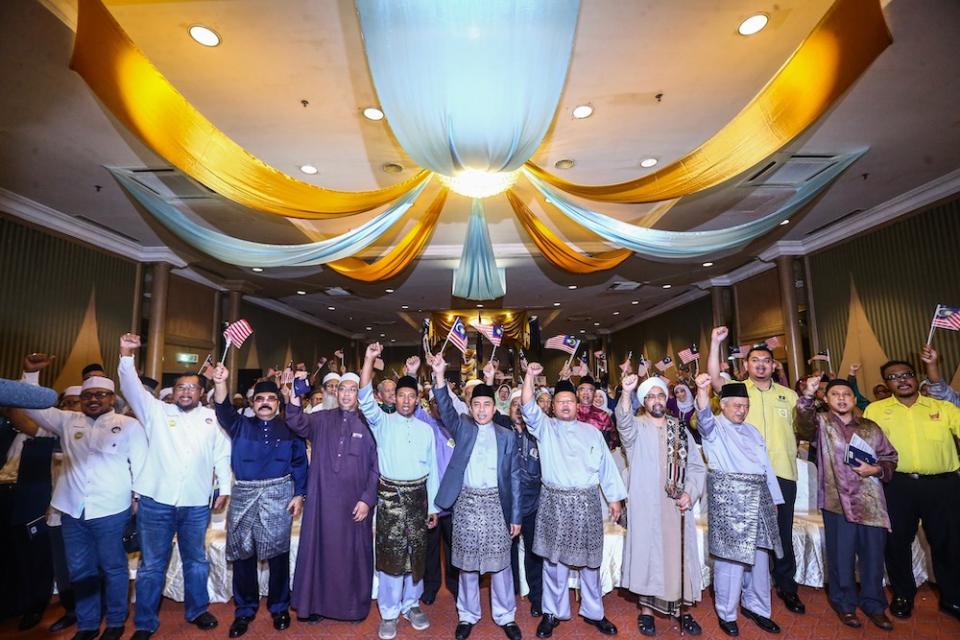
x=463 y=631
x=112 y=633
x=428 y=599
x=792 y=601
x=951 y=609
x=512 y=631
x=205 y=621
x=86 y=635
x=647 y=625
x=240 y=626
x=901 y=607
x=881 y=621
x=689 y=626
x=65 y=622
x=605 y=627
x=547 y=624
x=141 y=634
x=730 y=628
x=281 y=620
x=849 y=619
x=535 y=610
x=766 y=624
x=30 y=620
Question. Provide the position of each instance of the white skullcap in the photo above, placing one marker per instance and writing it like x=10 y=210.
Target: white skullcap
x=516 y=394
x=98 y=382
x=166 y=392
x=250 y=393
x=544 y=391
x=472 y=383
x=349 y=377
x=73 y=391
x=331 y=376
x=649 y=384
x=726 y=376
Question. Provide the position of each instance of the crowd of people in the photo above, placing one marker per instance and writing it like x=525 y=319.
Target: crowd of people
x=417 y=483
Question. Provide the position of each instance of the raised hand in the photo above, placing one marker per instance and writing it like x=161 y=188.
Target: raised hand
x=703 y=381
x=438 y=365
x=565 y=372
x=36 y=361
x=412 y=365
x=928 y=355
x=129 y=343
x=719 y=334
x=220 y=374
x=625 y=367
x=810 y=386
x=855 y=367
x=630 y=383
x=374 y=350
x=534 y=369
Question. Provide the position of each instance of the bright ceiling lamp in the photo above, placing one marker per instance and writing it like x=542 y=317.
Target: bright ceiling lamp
x=204 y=35
x=480 y=184
x=373 y=113
x=753 y=24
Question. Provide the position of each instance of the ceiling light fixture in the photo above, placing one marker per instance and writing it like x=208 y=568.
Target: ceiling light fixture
x=582 y=111
x=635 y=302
x=479 y=306
x=556 y=304
x=474 y=183
x=383 y=335
x=331 y=308
x=616 y=313
x=753 y=24
x=373 y=113
x=667 y=286
x=301 y=292
x=404 y=306
x=369 y=328
x=256 y=269
x=389 y=290
x=708 y=264
x=571 y=286
x=785 y=222
x=392 y=167
x=309 y=169
x=583 y=330
x=596 y=324
x=204 y=35
x=646 y=163
x=566 y=163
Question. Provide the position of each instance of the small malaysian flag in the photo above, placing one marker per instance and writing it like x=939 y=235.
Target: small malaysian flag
x=237 y=332
x=734 y=352
x=458 y=335
x=689 y=354
x=823 y=356
x=563 y=343
x=339 y=353
x=493 y=332
x=664 y=364
x=774 y=342
x=947 y=318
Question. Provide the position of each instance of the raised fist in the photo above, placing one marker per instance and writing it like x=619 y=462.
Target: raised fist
x=703 y=381
x=854 y=367
x=534 y=369
x=36 y=361
x=220 y=374
x=810 y=386
x=719 y=334
x=630 y=383
x=374 y=350
x=928 y=354
x=413 y=365
x=438 y=365
x=129 y=343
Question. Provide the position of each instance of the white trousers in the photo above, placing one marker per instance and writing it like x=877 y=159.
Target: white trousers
x=734 y=582
x=396 y=594
x=503 y=602
x=556 y=593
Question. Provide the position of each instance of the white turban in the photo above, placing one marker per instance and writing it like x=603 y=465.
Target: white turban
x=166 y=392
x=72 y=391
x=515 y=394
x=98 y=382
x=331 y=376
x=471 y=383
x=350 y=377
x=649 y=384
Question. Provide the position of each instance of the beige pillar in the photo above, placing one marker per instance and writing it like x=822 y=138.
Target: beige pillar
x=791 y=318
x=137 y=308
x=216 y=329
x=722 y=316
x=233 y=355
x=156 y=331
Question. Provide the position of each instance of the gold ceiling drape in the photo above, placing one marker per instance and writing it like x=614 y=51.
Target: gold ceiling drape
x=138 y=95
x=831 y=58
x=556 y=250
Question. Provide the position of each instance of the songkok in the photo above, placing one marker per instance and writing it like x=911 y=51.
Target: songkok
x=734 y=390
x=331 y=376
x=72 y=391
x=472 y=383
x=839 y=382
x=516 y=394
x=407 y=381
x=166 y=392
x=649 y=384
x=266 y=386
x=483 y=391
x=97 y=382
x=587 y=379
x=350 y=377
x=564 y=385
x=149 y=383
x=91 y=367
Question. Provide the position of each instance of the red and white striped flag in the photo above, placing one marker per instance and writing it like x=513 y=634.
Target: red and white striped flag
x=664 y=364
x=563 y=343
x=458 y=335
x=689 y=354
x=237 y=332
x=946 y=318
x=492 y=332
x=774 y=342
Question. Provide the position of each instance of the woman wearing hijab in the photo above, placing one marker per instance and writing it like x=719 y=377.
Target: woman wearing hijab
x=680 y=406
x=503 y=399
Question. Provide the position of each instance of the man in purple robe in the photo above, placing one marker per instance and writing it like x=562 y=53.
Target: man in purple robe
x=334 y=573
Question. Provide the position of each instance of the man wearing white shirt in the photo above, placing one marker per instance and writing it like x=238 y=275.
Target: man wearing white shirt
x=104 y=453
x=187 y=449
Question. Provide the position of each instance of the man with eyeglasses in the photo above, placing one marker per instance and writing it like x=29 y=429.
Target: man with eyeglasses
x=925 y=487
x=187 y=448
x=667 y=477
x=773 y=413
x=104 y=453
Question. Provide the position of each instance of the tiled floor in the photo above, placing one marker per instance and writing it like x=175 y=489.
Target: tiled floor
x=819 y=623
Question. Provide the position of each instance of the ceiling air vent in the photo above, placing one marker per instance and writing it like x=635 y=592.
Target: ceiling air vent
x=339 y=292
x=791 y=172
x=624 y=286
x=171 y=184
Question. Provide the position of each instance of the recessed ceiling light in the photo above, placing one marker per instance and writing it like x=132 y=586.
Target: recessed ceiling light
x=556 y=304
x=582 y=111
x=256 y=269
x=331 y=308
x=635 y=302
x=405 y=306
x=309 y=169
x=373 y=113
x=566 y=163
x=369 y=328
x=204 y=35
x=571 y=286
x=393 y=339
x=753 y=24
x=479 y=306
x=389 y=290
x=667 y=286
x=708 y=264
x=646 y=163
x=301 y=292
x=596 y=324
x=383 y=335
x=583 y=330
x=616 y=313
x=785 y=222
x=392 y=167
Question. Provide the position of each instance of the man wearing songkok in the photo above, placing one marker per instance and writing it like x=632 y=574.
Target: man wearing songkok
x=850 y=496
x=187 y=449
x=667 y=477
x=587 y=412
x=925 y=486
x=334 y=573
x=406 y=452
x=576 y=465
x=773 y=414
x=482 y=487
x=742 y=490
x=269 y=465
x=325 y=397
x=528 y=457
x=104 y=455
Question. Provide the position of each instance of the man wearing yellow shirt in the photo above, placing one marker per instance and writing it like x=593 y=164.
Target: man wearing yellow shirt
x=772 y=413
x=925 y=487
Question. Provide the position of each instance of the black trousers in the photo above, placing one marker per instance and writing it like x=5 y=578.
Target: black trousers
x=27 y=575
x=532 y=563
x=935 y=500
x=246 y=586
x=442 y=534
x=60 y=572
x=785 y=568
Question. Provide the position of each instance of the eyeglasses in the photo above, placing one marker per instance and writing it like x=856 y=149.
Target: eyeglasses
x=900 y=376
x=186 y=387
x=99 y=395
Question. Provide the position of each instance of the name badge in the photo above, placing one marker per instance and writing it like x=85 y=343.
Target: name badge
x=357 y=435
x=77 y=435
x=209 y=420
x=451 y=443
x=115 y=430
x=935 y=416
x=782 y=413
x=782 y=398
x=172 y=423
x=534 y=454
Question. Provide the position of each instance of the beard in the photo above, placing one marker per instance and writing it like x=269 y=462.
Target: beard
x=656 y=411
